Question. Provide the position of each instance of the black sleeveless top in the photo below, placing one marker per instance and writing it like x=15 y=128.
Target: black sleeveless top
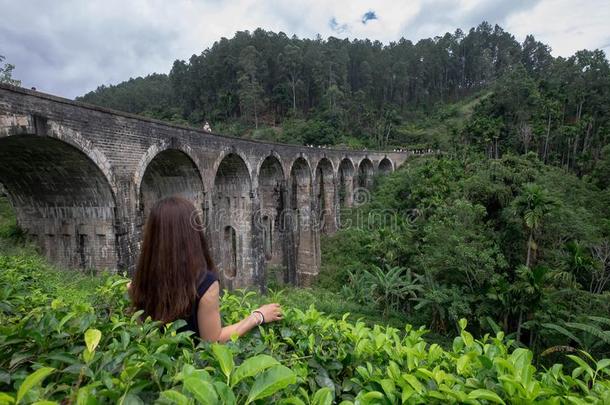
x=191 y=321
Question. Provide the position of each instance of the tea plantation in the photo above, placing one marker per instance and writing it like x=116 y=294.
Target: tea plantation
x=71 y=339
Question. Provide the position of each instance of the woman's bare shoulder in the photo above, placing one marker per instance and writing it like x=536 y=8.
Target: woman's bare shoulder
x=212 y=295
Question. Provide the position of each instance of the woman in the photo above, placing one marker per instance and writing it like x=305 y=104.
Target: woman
x=176 y=278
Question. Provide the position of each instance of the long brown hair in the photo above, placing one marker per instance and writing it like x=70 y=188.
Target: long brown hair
x=174 y=256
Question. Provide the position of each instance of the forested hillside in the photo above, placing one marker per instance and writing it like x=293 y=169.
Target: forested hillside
x=363 y=93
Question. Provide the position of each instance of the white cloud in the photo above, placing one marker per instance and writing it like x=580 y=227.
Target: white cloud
x=68 y=47
x=567 y=26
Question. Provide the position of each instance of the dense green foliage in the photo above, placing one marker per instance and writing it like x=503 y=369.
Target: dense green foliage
x=91 y=350
x=558 y=109
x=509 y=244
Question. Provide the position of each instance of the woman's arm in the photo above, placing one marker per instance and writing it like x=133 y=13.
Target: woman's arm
x=208 y=317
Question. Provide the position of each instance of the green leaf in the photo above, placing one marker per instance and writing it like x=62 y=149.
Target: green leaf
x=563 y=331
x=65 y=319
x=252 y=366
x=174 y=397
x=585 y=367
x=485 y=361
x=414 y=382
x=85 y=396
x=603 y=364
x=203 y=391
x=131 y=399
x=271 y=381
x=486 y=395
x=6 y=399
x=467 y=338
x=323 y=396
x=32 y=380
x=521 y=358
x=227 y=397
x=372 y=397
x=463 y=363
x=591 y=329
x=224 y=357
x=292 y=401
x=92 y=339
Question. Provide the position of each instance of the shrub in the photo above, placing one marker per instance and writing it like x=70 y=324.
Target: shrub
x=93 y=352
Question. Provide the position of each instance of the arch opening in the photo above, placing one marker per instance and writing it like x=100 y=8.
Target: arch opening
x=229 y=252
x=267 y=228
x=171 y=172
x=346 y=183
x=365 y=174
x=232 y=208
x=325 y=196
x=272 y=194
x=62 y=200
x=304 y=235
x=385 y=166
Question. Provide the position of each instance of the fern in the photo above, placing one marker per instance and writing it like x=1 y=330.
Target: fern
x=563 y=331
x=493 y=325
x=592 y=330
x=600 y=319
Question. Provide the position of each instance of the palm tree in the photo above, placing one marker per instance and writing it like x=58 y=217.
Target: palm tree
x=528 y=289
x=532 y=206
x=392 y=285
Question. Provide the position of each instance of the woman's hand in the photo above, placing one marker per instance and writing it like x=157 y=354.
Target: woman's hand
x=271 y=312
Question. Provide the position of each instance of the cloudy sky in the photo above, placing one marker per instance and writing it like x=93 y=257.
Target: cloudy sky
x=69 y=47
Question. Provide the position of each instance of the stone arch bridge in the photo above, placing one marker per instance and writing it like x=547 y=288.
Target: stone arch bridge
x=82 y=179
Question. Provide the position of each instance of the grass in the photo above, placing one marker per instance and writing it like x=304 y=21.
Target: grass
x=437 y=129
x=19 y=253
x=7 y=217
x=12 y=238
x=46 y=279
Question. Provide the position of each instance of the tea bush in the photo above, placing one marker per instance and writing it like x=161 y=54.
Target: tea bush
x=91 y=350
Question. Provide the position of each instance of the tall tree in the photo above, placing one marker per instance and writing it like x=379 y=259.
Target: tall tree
x=6 y=73
x=292 y=62
x=250 y=89
x=532 y=205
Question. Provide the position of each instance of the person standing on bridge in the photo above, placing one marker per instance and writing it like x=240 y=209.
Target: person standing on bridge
x=176 y=277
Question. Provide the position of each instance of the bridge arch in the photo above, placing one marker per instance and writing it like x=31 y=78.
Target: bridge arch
x=365 y=173
x=155 y=149
x=272 y=195
x=265 y=158
x=233 y=151
x=385 y=166
x=63 y=193
x=304 y=232
x=170 y=171
x=325 y=195
x=230 y=229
